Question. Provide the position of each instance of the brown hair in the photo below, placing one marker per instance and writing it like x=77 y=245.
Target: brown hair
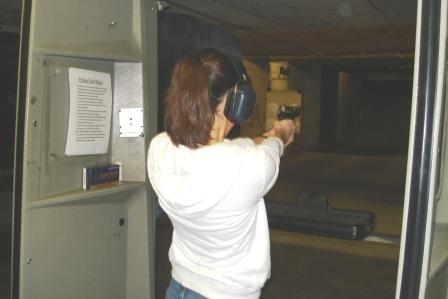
x=198 y=83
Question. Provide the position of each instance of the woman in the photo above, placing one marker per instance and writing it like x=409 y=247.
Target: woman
x=212 y=188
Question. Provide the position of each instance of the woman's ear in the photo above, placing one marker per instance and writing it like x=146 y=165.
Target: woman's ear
x=221 y=106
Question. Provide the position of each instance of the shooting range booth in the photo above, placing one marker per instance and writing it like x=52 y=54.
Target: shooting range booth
x=88 y=73
x=88 y=104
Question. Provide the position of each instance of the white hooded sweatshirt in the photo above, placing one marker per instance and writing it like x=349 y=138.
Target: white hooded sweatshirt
x=213 y=196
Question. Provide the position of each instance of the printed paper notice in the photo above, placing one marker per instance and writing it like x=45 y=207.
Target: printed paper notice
x=90 y=112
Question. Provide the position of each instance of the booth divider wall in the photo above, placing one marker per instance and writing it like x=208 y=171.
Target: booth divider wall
x=78 y=243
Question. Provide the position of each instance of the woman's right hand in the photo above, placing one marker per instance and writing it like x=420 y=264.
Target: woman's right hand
x=284 y=129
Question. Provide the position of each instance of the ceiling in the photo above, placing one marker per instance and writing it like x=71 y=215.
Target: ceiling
x=299 y=30
x=304 y=30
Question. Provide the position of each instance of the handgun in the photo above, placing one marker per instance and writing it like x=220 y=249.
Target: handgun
x=288 y=112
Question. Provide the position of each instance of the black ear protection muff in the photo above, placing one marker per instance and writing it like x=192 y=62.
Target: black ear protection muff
x=241 y=99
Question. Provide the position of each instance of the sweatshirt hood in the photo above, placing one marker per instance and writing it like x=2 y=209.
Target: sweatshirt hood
x=190 y=182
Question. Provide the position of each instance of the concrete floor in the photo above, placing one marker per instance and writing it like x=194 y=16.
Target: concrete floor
x=305 y=266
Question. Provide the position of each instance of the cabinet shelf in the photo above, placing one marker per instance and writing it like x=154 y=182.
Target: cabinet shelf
x=82 y=196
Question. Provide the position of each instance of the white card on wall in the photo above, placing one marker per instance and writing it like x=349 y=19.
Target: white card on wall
x=131 y=122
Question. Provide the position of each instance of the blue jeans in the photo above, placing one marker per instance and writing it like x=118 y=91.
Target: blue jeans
x=178 y=291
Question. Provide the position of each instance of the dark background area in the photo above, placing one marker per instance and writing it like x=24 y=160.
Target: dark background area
x=365 y=113
x=9 y=53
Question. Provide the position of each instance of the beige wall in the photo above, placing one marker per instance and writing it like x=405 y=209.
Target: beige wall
x=258 y=72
